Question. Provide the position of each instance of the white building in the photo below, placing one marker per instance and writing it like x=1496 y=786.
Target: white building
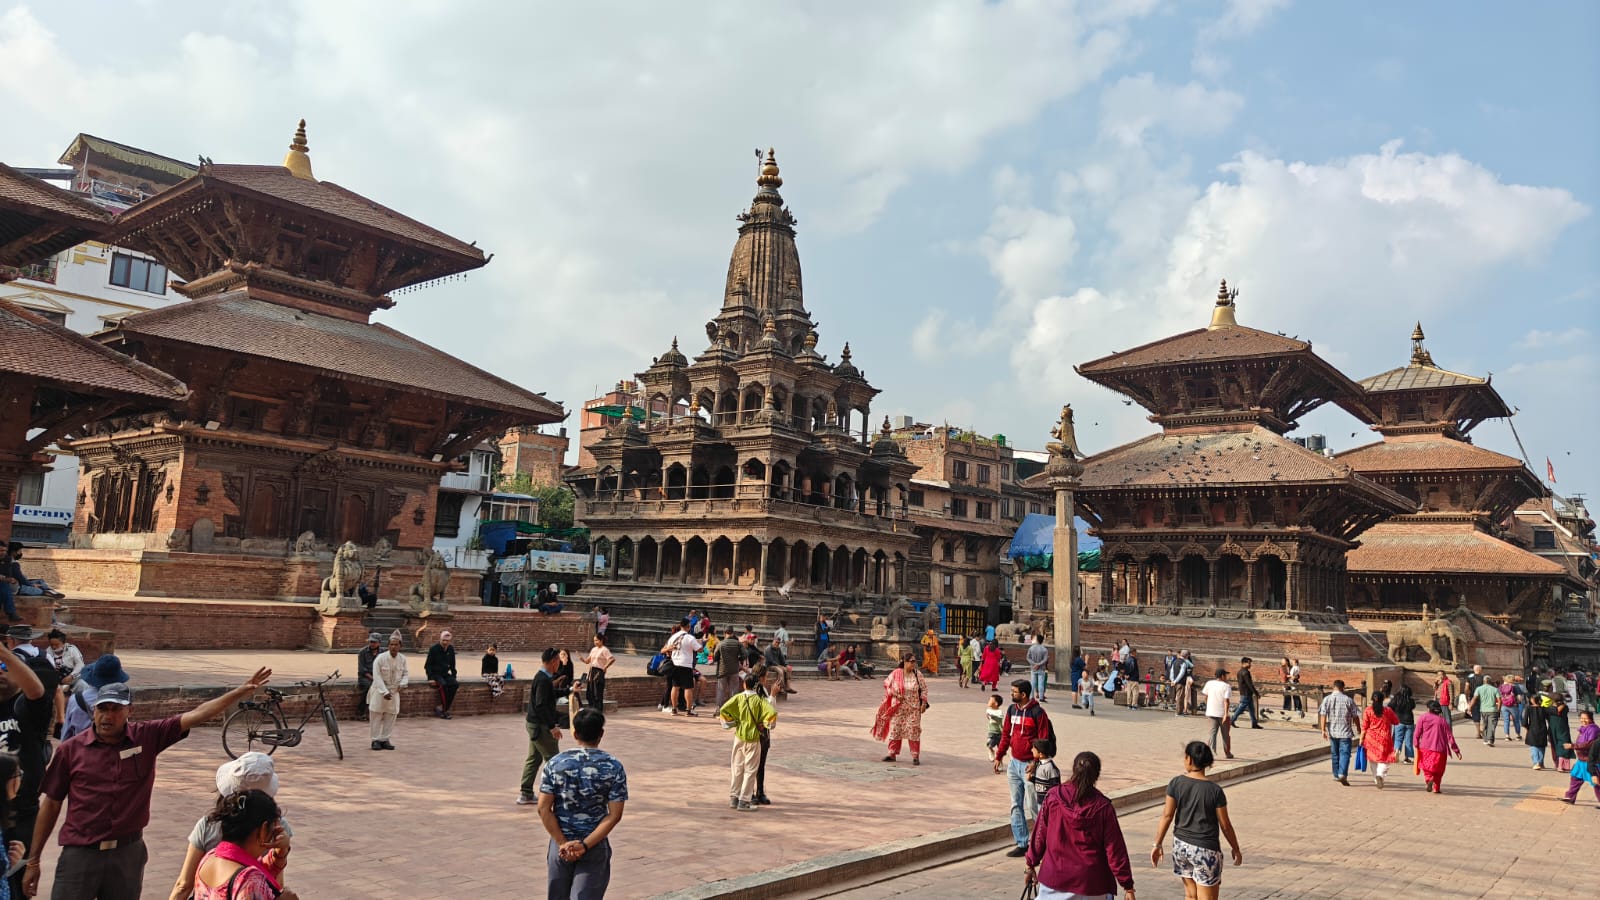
x=89 y=288
x=461 y=506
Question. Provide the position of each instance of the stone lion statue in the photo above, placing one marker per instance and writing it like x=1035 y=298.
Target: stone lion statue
x=306 y=543
x=435 y=578
x=339 y=589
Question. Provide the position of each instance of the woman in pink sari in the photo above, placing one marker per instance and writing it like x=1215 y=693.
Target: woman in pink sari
x=1435 y=744
x=989 y=668
x=244 y=866
x=905 y=696
x=1377 y=737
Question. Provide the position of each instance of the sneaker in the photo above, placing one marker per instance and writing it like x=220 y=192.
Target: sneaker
x=1043 y=700
x=527 y=800
x=1258 y=727
x=1379 y=780
x=1017 y=851
x=1569 y=800
x=745 y=806
x=1344 y=780
x=1091 y=710
x=733 y=802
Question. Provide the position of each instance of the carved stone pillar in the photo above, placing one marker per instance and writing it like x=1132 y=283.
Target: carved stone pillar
x=761 y=570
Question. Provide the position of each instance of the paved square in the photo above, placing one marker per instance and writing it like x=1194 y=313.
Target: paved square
x=437 y=817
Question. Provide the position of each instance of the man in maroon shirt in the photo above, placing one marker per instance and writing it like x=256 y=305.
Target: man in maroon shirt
x=1025 y=720
x=105 y=776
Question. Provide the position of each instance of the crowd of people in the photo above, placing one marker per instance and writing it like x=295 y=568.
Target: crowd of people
x=97 y=782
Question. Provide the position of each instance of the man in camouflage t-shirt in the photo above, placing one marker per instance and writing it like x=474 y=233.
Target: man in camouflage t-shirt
x=581 y=795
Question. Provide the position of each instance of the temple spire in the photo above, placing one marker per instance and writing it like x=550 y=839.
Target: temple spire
x=1222 y=314
x=298 y=159
x=1419 y=354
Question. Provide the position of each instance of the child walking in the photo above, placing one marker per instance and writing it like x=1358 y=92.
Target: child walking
x=1043 y=774
x=995 y=714
x=1088 y=686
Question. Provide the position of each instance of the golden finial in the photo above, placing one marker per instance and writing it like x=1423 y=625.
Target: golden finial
x=1419 y=354
x=298 y=160
x=1222 y=314
x=769 y=172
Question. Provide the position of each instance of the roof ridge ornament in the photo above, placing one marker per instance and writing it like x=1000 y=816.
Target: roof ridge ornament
x=298 y=159
x=1222 y=316
x=1419 y=354
x=769 y=172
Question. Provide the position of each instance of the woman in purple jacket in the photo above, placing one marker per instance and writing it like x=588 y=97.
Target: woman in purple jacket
x=1077 y=848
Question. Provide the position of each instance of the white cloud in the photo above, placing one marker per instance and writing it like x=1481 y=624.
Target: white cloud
x=1537 y=339
x=1346 y=252
x=1239 y=19
x=1138 y=103
x=601 y=158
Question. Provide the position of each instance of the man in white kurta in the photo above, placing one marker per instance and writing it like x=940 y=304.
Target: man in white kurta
x=383 y=698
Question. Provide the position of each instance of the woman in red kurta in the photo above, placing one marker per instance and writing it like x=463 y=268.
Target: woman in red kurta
x=1444 y=694
x=989 y=671
x=1377 y=737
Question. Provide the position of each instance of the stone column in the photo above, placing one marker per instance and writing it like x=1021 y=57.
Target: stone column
x=1063 y=471
x=1291 y=589
x=761 y=569
x=1250 y=585
x=683 y=562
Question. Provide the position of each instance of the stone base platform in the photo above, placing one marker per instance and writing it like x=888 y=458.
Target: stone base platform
x=117 y=572
x=1327 y=647
x=207 y=624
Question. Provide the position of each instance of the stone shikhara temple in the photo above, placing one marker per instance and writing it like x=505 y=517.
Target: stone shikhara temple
x=761 y=490
x=306 y=424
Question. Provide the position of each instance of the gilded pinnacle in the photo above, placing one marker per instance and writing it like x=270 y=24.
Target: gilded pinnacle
x=298 y=159
x=769 y=172
x=1222 y=315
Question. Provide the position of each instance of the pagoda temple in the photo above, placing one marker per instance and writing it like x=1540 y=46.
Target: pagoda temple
x=1452 y=550
x=57 y=380
x=307 y=424
x=1220 y=508
x=752 y=481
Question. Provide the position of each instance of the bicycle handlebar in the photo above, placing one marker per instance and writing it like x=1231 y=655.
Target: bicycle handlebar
x=318 y=683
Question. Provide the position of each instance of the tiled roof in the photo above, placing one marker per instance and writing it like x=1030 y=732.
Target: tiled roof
x=1258 y=455
x=30 y=206
x=125 y=153
x=1406 y=547
x=364 y=352
x=333 y=200
x=32 y=347
x=1408 y=378
x=1229 y=342
x=1407 y=453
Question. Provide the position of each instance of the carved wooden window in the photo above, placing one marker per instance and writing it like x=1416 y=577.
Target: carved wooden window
x=313 y=512
x=247 y=415
x=949 y=552
x=915 y=498
x=329 y=422
x=447 y=518
x=972 y=551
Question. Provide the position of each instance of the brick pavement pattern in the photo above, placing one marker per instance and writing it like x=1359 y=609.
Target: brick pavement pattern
x=453 y=830
x=1498 y=830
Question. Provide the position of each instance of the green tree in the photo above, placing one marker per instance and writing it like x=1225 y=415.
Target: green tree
x=555 y=500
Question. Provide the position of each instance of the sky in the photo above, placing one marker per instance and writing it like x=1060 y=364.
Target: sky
x=987 y=193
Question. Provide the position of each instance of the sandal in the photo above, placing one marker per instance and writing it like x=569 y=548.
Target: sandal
x=888 y=759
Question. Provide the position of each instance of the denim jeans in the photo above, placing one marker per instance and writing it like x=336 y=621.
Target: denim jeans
x=1017 y=778
x=8 y=599
x=1039 y=678
x=1246 y=703
x=1511 y=718
x=1537 y=755
x=1403 y=741
x=1339 y=750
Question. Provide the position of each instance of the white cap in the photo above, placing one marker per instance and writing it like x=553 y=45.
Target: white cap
x=250 y=772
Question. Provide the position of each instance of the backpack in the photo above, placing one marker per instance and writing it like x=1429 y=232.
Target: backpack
x=659 y=664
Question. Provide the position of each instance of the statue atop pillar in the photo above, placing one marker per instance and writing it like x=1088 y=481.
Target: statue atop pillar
x=1064 y=453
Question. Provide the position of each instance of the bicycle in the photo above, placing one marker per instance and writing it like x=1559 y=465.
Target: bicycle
x=259 y=724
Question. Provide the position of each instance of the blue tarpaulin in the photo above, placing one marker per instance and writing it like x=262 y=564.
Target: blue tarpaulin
x=1033 y=544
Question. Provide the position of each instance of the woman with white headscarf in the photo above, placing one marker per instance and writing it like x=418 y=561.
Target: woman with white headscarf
x=389 y=675
x=252 y=771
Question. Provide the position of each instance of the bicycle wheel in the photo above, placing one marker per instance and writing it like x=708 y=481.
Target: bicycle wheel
x=329 y=720
x=241 y=732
